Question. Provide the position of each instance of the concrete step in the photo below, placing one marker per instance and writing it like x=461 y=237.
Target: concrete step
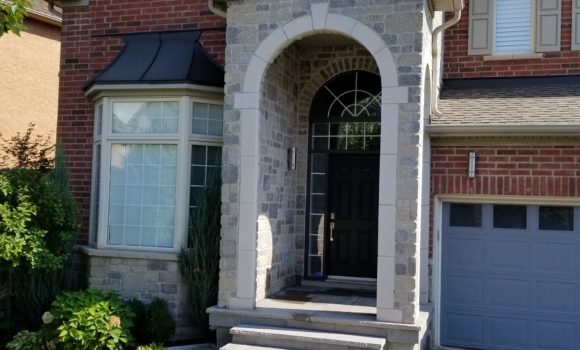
x=232 y=346
x=301 y=339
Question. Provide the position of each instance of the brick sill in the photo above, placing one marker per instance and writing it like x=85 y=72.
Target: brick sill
x=525 y=56
x=127 y=254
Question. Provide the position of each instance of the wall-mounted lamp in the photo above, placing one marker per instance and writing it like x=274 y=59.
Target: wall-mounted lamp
x=292 y=158
x=471 y=164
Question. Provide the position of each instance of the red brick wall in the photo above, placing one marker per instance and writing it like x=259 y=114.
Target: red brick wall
x=506 y=170
x=88 y=47
x=458 y=64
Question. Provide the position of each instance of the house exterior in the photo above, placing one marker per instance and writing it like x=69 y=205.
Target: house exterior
x=29 y=67
x=382 y=188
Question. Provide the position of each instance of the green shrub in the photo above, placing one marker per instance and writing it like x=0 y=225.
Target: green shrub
x=153 y=321
x=92 y=320
x=26 y=340
x=199 y=262
x=38 y=226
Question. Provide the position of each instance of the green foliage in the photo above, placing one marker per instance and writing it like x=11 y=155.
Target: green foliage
x=38 y=220
x=38 y=225
x=92 y=320
x=26 y=340
x=153 y=321
x=26 y=151
x=12 y=15
x=199 y=263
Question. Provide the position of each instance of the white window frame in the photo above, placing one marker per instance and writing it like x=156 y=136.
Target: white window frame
x=486 y=16
x=184 y=139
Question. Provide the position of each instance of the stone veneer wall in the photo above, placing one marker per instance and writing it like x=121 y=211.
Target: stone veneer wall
x=400 y=26
x=143 y=279
x=278 y=216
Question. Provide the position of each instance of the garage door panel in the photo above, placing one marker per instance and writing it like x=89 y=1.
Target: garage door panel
x=555 y=257
x=556 y=297
x=509 y=333
x=464 y=290
x=509 y=255
x=510 y=288
x=509 y=293
x=555 y=335
x=465 y=252
x=464 y=329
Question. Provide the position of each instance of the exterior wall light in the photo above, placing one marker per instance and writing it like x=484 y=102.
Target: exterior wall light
x=292 y=158
x=471 y=164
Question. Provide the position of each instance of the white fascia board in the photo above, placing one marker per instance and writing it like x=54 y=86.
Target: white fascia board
x=68 y=3
x=95 y=89
x=503 y=130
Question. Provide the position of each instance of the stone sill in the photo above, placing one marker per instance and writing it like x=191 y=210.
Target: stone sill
x=127 y=254
x=524 y=56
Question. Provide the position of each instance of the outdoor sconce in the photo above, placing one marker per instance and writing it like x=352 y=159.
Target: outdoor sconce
x=471 y=165
x=292 y=158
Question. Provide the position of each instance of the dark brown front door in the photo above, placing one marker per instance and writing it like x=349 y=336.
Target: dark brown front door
x=353 y=203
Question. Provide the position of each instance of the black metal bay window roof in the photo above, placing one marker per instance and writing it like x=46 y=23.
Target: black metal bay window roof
x=162 y=58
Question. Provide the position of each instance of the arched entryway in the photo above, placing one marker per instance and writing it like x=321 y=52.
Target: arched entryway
x=270 y=112
x=343 y=178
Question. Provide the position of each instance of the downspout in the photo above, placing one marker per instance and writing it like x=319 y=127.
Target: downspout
x=434 y=72
x=214 y=9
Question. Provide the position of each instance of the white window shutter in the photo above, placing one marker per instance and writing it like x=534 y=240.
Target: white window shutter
x=480 y=27
x=548 y=25
x=576 y=25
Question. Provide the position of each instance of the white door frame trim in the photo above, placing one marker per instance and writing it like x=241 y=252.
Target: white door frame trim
x=247 y=102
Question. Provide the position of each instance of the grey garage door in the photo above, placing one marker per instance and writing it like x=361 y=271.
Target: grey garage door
x=510 y=277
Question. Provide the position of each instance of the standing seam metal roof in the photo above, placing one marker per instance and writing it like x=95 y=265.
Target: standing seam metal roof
x=162 y=58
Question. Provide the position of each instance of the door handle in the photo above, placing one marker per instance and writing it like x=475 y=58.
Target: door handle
x=332 y=231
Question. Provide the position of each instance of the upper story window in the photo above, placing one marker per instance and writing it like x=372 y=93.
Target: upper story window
x=514 y=27
x=152 y=157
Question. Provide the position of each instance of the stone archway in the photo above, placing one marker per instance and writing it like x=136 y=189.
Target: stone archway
x=247 y=102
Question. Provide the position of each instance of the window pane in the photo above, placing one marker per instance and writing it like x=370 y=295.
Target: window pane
x=96 y=194
x=513 y=32
x=207 y=119
x=356 y=136
x=557 y=218
x=465 y=215
x=205 y=161
x=510 y=216
x=315 y=266
x=99 y=120
x=143 y=194
x=145 y=117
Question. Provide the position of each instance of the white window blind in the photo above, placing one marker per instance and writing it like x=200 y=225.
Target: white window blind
x=513 y=27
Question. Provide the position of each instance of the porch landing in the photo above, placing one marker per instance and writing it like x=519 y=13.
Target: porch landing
x=329 y=311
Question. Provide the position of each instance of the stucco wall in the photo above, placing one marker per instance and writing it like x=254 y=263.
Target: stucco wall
x=29 y=67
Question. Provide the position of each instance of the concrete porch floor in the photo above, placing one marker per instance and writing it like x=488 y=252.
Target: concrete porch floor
x=327 y=309
x=321 y=299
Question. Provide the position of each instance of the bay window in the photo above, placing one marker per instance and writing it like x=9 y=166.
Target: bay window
x=152 y=158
